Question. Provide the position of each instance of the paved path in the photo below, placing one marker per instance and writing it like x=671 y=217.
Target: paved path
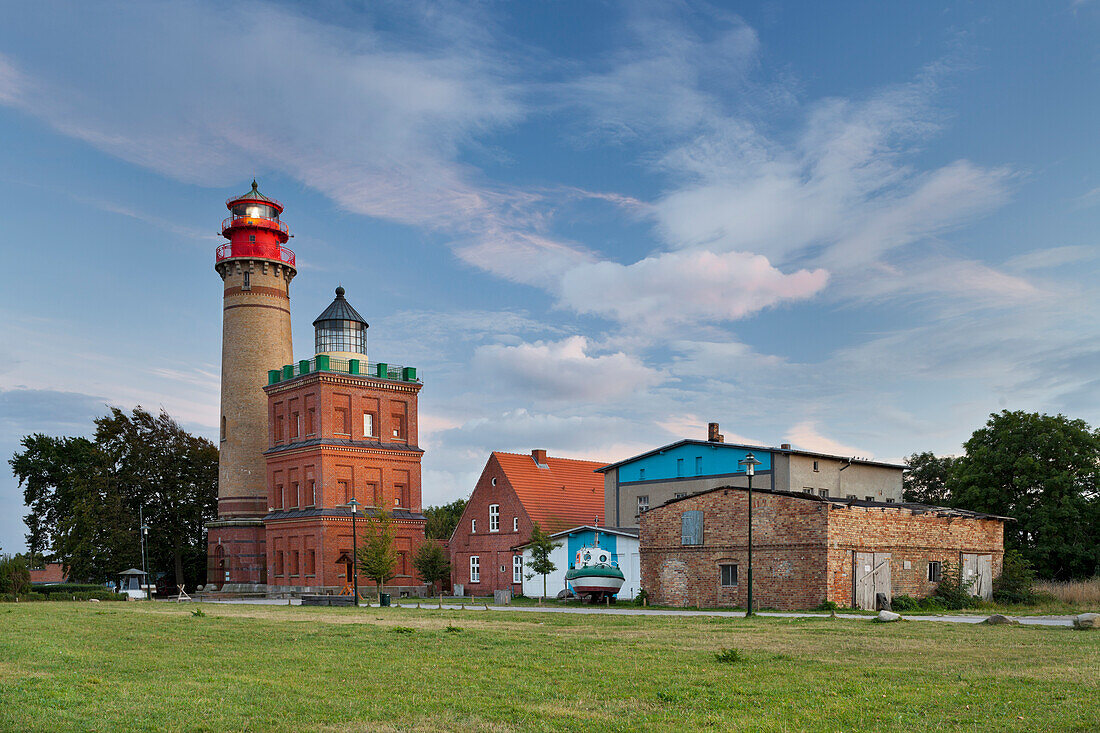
x=1029 y=620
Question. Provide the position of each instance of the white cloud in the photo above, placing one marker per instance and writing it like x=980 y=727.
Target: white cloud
x=805 y=435
x=565 y=370
x=678 y=287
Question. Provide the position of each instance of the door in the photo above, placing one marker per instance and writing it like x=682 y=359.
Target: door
x=977 y=571
x=863 y=575
x=871 y=575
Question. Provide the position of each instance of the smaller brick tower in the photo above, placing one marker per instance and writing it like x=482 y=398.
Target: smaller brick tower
x=256 y=269
x=341 y=427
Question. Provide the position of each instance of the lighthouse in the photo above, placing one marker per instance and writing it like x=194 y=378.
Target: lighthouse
x=256 y=268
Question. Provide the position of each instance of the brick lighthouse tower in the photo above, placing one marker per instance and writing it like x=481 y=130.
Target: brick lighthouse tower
x=256 y=269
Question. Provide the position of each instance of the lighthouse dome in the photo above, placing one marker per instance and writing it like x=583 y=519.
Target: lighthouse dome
x=340 y=331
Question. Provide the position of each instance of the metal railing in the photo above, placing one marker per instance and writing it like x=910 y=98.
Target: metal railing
x=254 y=221
x=255 y=249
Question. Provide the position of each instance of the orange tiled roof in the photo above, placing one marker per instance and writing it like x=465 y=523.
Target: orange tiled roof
x=567 y=493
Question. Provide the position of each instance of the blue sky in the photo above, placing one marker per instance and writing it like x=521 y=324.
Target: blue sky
x=593 y=227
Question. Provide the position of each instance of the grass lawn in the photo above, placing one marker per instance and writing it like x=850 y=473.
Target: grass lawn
x=155 y=666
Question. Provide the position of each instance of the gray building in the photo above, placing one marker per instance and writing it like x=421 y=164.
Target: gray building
x=689 y=466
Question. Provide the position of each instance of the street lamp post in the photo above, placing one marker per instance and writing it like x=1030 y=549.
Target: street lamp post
x=144 y=532
x=354 y=550
x=750 y=463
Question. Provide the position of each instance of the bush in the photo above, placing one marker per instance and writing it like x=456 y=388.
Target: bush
x=728 y=656
x=14 y=576
x=826 y=606
x=904 y=603
x=1016 y=582
x=70 y=588
x=641 y=598
x=952 y=592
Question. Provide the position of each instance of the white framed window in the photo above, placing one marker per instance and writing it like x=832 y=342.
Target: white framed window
x=643 y=503
x=728 y=575
x=473 y=526
x=869 y=498
x=515 y=524
x=368 y=425
x=475 y=569
x=823 y=492
x=494 y=517
x=679 y=495
x=889 y=501
x=517 y=568
x=816 y=468
x=934 y=569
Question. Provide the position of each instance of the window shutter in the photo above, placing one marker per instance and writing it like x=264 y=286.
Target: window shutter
x=691 y=528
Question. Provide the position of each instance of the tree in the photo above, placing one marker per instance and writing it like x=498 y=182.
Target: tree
x=1044 y=472
x=442 y=520
x=927 y=479
x=541 y=548
x=172 y=476
x=377 y=558
x=14 y=576
x=432 y=566
x=85 y=496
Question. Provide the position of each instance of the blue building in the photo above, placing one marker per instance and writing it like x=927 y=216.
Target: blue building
x=679 y=469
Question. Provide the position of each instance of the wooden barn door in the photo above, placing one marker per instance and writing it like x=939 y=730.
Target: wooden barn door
x=978 y=571
x=871 y=575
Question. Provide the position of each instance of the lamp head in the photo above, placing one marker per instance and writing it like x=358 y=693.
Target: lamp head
x=750 y=463
x=353 y=504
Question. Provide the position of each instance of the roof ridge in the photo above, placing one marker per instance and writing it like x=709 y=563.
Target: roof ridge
x=556 y=458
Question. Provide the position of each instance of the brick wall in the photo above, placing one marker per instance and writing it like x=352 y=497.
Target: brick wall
x=493 y=549
x=803 y=549
x=788 y=557
x=909 y=538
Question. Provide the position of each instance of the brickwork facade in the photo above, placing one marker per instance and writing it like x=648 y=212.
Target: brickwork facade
x=806 y=549
x=492 y=548
x=335 y=437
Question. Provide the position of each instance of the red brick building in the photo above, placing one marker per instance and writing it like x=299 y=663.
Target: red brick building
x=513 y=493
x=808 y=549
x=340 y=428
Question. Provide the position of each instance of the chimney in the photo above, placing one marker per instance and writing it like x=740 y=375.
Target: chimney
x=785 y=446
x=713 y=435
x=539 y=456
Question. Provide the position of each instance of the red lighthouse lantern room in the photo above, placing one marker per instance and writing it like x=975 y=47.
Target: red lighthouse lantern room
x=254 y=230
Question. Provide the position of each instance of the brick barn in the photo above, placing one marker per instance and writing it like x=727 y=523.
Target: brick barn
x=808 y=549
x=513 y=492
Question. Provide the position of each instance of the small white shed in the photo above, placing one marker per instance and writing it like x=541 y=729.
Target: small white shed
x=621 y=543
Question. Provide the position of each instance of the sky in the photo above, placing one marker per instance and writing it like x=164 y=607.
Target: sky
x=593 y=227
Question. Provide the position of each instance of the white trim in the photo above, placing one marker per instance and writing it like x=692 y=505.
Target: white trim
x=494 y=517
x=475 y=569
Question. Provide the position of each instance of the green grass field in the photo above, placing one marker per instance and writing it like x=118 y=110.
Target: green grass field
x=141 y=666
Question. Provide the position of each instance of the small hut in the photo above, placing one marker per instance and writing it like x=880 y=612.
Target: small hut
x=132 y=583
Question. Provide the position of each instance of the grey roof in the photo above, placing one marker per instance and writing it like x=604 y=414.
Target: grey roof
x=340 y=310
x=132 y=571
x=943 y=511
x=741 y=446
x=255 y=195
x=339 y=511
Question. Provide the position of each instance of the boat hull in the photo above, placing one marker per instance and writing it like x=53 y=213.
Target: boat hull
x=589 y=580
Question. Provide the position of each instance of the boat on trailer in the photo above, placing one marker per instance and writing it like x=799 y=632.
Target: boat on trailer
x=595 y=574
